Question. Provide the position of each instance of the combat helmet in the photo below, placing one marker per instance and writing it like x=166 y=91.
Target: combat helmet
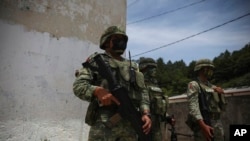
x=203 y=63
x=111 y=31
x=146 y=62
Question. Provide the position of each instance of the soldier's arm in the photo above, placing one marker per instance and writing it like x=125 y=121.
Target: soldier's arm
x=193 y=100
x=144 y=104
x=145 y=110
x=82 y=87
x=217 y=89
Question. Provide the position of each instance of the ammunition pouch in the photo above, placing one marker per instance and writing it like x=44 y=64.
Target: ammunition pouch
x=192 y=123
x=139 y=79
x=217 y=103
x=159 y=105
x=159 y=102
x=92 y=112
x=128 y=73
x=222 y=103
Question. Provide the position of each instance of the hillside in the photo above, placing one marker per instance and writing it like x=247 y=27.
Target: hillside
x=232 y=70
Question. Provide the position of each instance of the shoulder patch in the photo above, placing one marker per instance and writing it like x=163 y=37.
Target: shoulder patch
x=91 y=56
x=192 y=85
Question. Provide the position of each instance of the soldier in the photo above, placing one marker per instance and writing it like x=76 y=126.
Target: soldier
x=158 y=99
x=206 y=102
x=89 y=85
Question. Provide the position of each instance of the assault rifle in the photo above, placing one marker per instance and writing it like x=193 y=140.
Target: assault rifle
x=126 y=108
x=204 y=107
x=174 y=134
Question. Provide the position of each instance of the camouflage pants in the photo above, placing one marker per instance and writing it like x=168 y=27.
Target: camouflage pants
x=123 y=131
x=218 y=132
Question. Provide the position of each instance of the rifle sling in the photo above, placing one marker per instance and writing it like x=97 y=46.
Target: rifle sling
x=204 y=109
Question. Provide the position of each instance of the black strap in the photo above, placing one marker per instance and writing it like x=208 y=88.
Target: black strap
x=202 y=98
x=204 y=109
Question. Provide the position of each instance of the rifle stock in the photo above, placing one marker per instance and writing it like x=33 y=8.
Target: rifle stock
x=126 y=108
x=174 y=134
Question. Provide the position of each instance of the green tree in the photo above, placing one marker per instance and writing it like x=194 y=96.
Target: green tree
x=231 y=70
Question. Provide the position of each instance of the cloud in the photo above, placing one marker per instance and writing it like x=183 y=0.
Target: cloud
x=167 y=29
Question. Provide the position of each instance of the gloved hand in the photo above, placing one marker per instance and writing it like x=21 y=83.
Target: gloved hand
x=105 y=97
x=206 y=130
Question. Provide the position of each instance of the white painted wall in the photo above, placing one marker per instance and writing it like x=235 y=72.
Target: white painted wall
x=37 y=73
x=40 y=49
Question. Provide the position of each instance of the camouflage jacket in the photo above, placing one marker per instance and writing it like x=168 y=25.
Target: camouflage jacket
x=212 y=97
x=87 y=80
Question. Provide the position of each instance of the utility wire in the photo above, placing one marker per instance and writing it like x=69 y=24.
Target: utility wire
x=167 y=12
x=132 y=3
x=193 y=35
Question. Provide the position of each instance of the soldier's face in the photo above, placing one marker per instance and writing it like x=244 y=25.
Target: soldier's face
x=152 y=71
x=118 y=44
x=208 y=72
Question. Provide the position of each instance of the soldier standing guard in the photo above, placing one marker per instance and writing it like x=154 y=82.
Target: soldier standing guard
x=158 y=99
x=206 y=102
x=89 y=85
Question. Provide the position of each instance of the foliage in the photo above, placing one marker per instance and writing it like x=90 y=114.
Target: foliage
x=231 y=70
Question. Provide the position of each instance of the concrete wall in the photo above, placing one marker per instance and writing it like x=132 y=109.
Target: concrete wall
x=42 y=42
x=237 y=112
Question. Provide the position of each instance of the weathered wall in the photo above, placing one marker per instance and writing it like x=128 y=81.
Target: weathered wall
x=42 y=42
x=237 y=113
x=84 y=19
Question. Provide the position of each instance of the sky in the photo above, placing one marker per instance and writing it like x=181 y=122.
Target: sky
x=186 y=30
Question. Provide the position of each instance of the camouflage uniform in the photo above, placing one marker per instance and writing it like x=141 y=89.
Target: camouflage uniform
x=216 y=104
x=158 y=99
x=99 y=117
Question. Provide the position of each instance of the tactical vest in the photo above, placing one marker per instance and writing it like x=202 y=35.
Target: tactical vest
x=158 y=101
x=123 y=75
x=121 y=71
x=216 y=102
